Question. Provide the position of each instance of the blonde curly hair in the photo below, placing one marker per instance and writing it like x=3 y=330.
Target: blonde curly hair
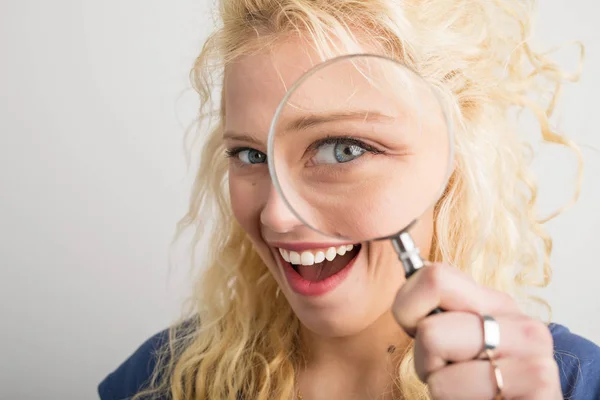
x=238 y=336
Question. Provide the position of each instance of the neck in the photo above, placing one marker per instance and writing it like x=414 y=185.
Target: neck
x=355 y=365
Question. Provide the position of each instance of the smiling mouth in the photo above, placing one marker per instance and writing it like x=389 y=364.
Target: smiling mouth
x=319 y=264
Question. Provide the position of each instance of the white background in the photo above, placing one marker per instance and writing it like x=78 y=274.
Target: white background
x=93 y=100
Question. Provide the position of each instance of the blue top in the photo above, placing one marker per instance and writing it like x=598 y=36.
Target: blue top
x=578 y=360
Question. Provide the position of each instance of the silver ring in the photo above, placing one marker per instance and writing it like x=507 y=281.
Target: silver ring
x=491 y=336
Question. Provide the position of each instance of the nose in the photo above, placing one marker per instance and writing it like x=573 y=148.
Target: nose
x=276 y=215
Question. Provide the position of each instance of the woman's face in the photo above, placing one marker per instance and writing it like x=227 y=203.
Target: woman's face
x=335 y=287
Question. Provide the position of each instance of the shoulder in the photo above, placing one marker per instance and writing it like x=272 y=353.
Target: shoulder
x=578 y=360
x=135 y=372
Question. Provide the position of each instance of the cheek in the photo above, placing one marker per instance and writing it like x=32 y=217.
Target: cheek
x=246 y=202
x=247 y=196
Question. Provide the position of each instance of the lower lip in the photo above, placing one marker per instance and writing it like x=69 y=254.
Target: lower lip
x=310 y=288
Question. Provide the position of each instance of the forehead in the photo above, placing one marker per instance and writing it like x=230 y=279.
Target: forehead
x=255 y=84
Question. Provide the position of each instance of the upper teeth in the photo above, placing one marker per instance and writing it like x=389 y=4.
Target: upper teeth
x=310 y=257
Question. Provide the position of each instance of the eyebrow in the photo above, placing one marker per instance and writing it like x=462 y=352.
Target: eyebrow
x=242 y=137
x=313 y=120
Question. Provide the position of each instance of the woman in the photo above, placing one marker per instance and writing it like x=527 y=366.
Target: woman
x=251 y=335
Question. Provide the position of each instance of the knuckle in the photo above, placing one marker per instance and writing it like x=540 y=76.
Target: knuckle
x=438 y=388
x=534 y=331
x=420 y=363
x=397 y=314
x=427 y=335
x=433 y=277
x=402 y=295
x=400 y=298
x=397 y=308
x=542 y=373
x=428 y=351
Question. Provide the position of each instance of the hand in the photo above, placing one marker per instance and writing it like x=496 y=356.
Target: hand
x=447 y=345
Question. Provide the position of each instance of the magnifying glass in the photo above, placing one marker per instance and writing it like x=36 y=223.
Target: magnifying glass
x=359 y=148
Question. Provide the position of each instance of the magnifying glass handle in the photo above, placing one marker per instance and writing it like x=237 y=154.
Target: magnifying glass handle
x=410 y=257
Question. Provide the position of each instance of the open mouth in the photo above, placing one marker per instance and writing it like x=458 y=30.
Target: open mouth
x=320 y=264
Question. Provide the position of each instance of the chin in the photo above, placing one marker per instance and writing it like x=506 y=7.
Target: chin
x=340 y=295
x=343 y=321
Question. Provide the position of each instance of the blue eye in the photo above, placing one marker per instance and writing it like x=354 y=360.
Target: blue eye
x=247 y=155
x=338 y=152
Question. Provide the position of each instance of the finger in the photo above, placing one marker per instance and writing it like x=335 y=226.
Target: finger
x=458 y=336
x=532 y=379
x=439 y=285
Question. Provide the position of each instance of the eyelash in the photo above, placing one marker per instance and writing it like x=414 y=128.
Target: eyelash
x=344 y=140
x=233 y=153
x=229 y=153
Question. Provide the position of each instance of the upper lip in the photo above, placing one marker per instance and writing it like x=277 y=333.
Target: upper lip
x=300 y=246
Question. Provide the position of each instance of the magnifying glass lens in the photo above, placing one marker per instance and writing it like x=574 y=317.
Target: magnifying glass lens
x=360 y=147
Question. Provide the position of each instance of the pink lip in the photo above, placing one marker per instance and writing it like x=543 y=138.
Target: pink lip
x=306 y=245
x=309 y=288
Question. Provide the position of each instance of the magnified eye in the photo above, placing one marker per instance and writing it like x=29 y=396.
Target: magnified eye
x=339 y=150
x=342 y=152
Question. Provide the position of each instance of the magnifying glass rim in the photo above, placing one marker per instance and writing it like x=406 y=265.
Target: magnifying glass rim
x=306 y=75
